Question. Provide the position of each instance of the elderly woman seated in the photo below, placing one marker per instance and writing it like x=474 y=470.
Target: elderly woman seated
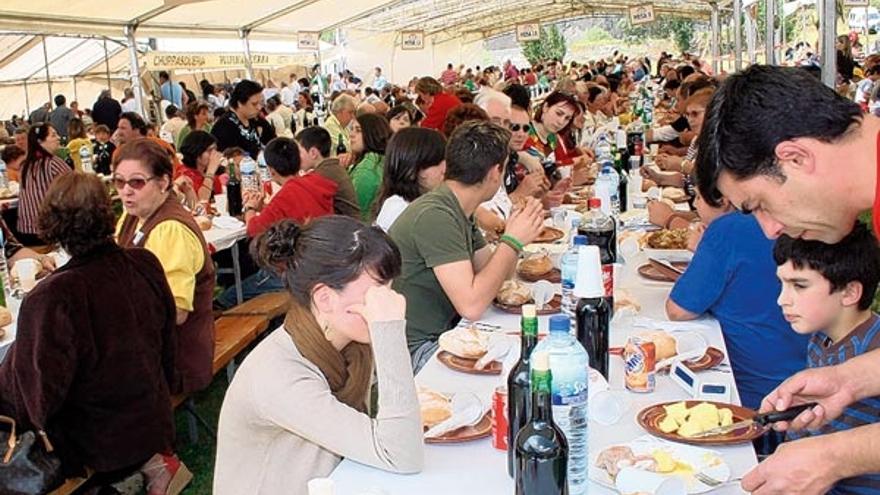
x=94 y=355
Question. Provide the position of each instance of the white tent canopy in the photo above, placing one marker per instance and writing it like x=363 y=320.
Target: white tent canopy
x=72 y=37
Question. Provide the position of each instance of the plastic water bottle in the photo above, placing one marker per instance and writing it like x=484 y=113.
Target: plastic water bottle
x=4 y=179
x=85 y=159
x=263 y=167
x=609 y=178
x=603 y=148
x=569 y=366
x=569 y=272
x=249 y=180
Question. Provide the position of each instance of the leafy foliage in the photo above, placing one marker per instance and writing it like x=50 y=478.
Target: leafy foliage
x=551 y=45
x=680 y=29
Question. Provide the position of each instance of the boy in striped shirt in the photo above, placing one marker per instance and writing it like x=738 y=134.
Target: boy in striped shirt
x=827 y=291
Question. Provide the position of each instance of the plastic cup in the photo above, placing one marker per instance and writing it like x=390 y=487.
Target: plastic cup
x=564 y=172
x=655 y=148
x=221 y=204
x=27 y=273
x=607 y=408
x=321 y=486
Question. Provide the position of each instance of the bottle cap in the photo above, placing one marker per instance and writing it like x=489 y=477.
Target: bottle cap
x=588 y=281
x=594 y=203
x=540 y=361
x=580 y=240
x=560 y=324
x=529 y=311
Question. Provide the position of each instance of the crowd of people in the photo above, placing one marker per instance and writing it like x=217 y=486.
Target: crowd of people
x=395 y=212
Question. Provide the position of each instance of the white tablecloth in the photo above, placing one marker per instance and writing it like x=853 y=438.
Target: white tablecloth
x=219 y=239
x=476 y=467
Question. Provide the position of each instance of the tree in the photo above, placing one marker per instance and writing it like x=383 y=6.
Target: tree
x=550 y=46
x=680 y=29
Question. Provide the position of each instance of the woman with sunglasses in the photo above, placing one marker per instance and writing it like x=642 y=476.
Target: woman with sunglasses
x=154 y=219
x=40 y=169
x=197 y=178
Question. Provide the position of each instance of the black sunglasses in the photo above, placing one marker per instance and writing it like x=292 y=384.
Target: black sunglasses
x=136 y=183
x=519 y=127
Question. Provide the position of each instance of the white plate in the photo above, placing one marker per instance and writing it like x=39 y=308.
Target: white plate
x=696 y=457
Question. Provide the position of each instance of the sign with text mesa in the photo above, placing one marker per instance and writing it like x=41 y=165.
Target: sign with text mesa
x=528 y=32
x=412 y=40
x=641 y=14
x=307 y=40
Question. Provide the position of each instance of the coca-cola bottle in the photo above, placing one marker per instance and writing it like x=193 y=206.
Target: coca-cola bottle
x=601 y=231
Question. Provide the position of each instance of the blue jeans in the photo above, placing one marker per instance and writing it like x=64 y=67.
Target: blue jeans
x=259 y=283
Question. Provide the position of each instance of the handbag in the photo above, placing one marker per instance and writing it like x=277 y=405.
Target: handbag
x=27 y=468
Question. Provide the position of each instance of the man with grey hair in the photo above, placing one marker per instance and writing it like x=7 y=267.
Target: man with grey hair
x=342 y=112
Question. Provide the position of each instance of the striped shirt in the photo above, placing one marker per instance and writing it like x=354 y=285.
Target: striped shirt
x=40 y=176
x=821 y=351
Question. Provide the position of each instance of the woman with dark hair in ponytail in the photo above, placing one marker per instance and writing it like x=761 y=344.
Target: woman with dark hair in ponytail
x=300 y=402
x=39 y=170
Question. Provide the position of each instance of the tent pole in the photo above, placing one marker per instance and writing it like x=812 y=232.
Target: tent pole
x=715 y=47
x=134 y=70
x=737 y=34
x=46 y=61
x=75 y=98
x=770 y=32
x=107 y=64
x=27 y=102
x=827 y=33
x=249 y=68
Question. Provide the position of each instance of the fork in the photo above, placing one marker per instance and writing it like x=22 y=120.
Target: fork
x=712 y=482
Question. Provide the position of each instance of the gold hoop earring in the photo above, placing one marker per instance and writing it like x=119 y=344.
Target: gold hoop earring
x=327 y=330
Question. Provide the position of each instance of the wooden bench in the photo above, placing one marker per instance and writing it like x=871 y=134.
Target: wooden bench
x=232 y=334
x=271 y=305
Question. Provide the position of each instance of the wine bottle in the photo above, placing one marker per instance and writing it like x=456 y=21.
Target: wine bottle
x=233 y=192
x=593 y=311
x=518 y=391
x=340 y=148
x=541 y=448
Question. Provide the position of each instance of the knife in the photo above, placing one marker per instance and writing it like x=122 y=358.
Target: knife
x=762 y=420
x=666 y=264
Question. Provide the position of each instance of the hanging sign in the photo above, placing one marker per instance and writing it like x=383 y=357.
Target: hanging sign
x=307 y=40
x=641 y=14
x=176 y=61
x=530 y=31
x=855 y=3
x=412 y=40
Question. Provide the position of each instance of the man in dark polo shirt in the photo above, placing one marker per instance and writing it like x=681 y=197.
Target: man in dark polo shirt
x=448 y=270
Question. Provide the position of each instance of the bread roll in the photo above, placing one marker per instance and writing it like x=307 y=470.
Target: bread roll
x=624 y=300
x=676 y=194
x=435 y=407
x=664 y=344
x=5 y=317
x=535 y=266
x=513 y=293
x=204 y=222
x=468 y=343
x=648 y=184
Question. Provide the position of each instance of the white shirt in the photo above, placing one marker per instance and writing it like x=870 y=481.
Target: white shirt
x=500 y=204
x=863 y=90
x=288 y=96
x=130 y=105
x=391 y=209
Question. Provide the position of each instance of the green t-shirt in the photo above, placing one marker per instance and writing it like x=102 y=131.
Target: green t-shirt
x=432 y=231
x=366 y=177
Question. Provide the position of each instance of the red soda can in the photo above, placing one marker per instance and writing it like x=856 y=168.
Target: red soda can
x=639 y=361
x=499 y=418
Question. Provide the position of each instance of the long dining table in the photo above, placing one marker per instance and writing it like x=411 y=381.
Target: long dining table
x=476 y=467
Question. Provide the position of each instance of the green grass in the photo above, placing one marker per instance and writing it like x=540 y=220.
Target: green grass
x=199 y=457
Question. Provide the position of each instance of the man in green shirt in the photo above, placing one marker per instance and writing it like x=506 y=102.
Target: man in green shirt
x=449 y=271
